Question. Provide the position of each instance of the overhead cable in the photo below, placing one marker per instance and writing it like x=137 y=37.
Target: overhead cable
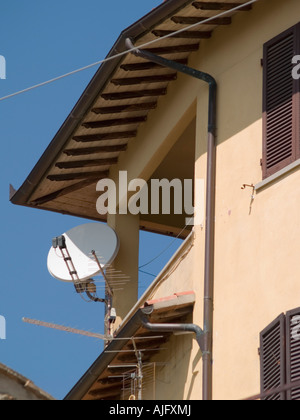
x=120 y=55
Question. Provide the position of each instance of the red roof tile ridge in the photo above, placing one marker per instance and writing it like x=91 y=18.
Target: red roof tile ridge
x=168 y=298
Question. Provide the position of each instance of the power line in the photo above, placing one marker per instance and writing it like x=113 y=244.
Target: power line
x=119 y=55
x=167 y=247
x=146 y=272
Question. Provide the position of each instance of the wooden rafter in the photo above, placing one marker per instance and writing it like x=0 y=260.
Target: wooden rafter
x=147 y=65
x=174 y=49
x=134 y=94
x=105 y=136
x=129 y=81
x=220 y=6
x=144 y=106
x=107 y=394
x=184 y=34
x=114 y=122
x=64 y=191
x=81 y=175
x=95 y=150
x=87 y=163
x=191 y=20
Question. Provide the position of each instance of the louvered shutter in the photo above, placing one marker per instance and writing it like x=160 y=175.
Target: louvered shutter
x=297 y=98
x=280 y=103
x=293 y=351
x=272 y=355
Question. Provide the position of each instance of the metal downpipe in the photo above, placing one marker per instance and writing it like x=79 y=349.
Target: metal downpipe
x=210 y=207
x=165 y=328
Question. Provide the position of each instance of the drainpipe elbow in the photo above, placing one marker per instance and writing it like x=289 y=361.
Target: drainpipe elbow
x=177 y=328
x=129 y=45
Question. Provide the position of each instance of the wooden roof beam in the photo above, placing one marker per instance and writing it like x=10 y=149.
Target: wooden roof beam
x=176 y=49
x=119 y=135
x=220 y=6
x=134 y=94
x=84 y=151
x=151 y=344
x=184 y=34
x=64 y=191
x=111 y=387
x=81 y=175
x=144 y=106
x=109 y=381
x=131 y=357
x=147 y=65
x=106 y=394
x=192 y=20
x=114 y=122
x=129 y=81
x=86 y=163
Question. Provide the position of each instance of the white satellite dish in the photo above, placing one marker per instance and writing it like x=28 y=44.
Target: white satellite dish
x=80 y=242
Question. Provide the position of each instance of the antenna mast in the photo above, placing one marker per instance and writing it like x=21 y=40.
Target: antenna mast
x=65 y=329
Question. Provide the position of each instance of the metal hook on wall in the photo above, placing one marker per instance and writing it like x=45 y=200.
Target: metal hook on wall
x=244 y=186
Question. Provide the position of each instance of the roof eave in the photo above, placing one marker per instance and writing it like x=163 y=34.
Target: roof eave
x=127 y=329
x=88 y=379
x=97 y=84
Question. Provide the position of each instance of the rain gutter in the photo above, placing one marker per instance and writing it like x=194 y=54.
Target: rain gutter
x=176 y=328
x=210 y=205
x=140 y=319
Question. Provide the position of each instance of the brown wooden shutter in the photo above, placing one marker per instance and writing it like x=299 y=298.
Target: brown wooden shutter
x=272 y=355
x=281 y=142
x=297 y=98
x=293 y=351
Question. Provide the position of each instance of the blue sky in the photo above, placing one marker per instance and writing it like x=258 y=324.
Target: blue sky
x=41 y=40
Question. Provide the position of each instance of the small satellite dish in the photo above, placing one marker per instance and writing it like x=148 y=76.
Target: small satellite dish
x=80 y=242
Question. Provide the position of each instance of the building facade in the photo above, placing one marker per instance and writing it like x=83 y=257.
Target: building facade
x=15 y=387
x=236 y=275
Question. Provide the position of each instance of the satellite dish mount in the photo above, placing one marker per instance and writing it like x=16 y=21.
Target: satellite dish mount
x=82 y=253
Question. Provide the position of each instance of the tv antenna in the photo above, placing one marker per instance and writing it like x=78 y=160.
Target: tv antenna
x=65 y=329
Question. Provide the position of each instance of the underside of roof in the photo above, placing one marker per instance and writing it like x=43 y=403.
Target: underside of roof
x=108 y=377
x=115 y=104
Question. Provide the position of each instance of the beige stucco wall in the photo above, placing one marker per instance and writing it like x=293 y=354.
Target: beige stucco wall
x=257 y=253
x=178 y=373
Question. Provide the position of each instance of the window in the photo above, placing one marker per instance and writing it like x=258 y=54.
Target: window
x=281 y=102
x=280 y=356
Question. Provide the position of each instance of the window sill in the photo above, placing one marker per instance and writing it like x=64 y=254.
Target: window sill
x=279 y=175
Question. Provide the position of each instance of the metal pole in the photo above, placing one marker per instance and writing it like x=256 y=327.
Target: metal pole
x=109 y=301
x=140 y=377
